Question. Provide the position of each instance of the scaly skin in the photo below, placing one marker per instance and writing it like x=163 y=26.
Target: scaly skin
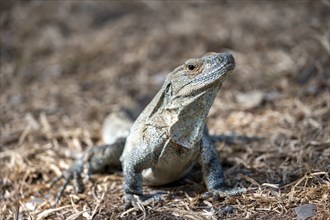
x=170 y=134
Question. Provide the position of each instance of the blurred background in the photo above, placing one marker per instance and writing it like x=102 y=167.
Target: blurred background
x=66 y=64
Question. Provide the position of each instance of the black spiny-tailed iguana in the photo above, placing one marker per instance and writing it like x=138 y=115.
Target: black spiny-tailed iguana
x=168 y=137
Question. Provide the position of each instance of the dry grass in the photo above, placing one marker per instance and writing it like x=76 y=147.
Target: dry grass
x=65 y=65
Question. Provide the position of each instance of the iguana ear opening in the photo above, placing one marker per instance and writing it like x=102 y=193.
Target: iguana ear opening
x=168 y=91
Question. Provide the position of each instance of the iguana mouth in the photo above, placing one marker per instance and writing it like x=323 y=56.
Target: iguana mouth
x=224 y=64
x=230 y=66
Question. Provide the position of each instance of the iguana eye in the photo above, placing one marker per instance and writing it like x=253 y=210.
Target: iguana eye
x=191 y=67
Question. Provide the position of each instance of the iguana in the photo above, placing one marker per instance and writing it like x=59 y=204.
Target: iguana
x=167 y=138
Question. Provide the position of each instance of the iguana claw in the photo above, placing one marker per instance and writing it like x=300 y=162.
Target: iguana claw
x=73 y=173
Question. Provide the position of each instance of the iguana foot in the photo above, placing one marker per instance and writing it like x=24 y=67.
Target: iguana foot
x=140 y=201
x=216 y=194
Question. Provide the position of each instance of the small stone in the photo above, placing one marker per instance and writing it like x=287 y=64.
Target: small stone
x=305 y=211
x=250 y=99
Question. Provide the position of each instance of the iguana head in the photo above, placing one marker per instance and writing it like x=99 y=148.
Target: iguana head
x=189 y=93
x=199 y=74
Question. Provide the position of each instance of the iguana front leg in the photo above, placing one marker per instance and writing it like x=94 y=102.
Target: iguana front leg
x=134 y=163
x=213 y=173
x=139 y=156
x=133 y=188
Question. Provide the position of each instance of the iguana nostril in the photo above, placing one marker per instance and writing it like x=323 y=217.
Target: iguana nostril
x=230 y=58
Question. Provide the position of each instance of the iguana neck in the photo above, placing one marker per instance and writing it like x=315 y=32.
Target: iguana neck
x=183 y=117
x=190 y=116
